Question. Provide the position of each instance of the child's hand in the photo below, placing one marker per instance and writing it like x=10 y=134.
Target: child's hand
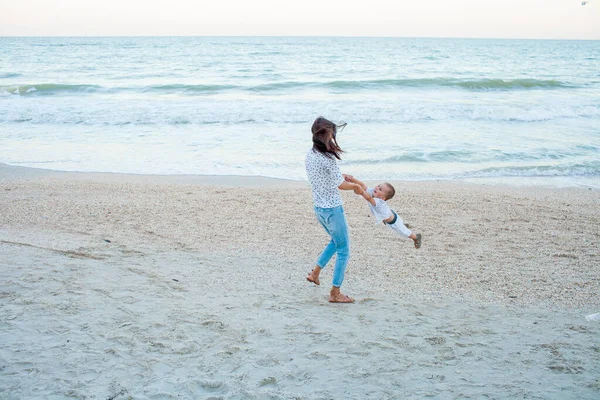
x=349 y=178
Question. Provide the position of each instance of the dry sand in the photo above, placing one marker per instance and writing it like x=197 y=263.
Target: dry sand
x=126 y=286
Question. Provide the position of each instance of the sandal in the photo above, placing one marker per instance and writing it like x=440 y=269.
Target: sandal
x=418 y=241
x=310 y=279
x=341 y=298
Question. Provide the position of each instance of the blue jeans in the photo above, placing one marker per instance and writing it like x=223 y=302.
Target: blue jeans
x=334 y=222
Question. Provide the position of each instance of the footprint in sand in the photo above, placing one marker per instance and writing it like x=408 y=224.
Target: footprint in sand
x=436 y=340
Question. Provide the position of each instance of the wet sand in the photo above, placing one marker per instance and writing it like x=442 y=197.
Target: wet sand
x=132 y=286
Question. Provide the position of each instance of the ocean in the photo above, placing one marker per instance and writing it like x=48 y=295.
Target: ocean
x=416 y=108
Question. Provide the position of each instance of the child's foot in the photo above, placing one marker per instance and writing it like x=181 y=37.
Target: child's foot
x=418 y=241
x=313 y=277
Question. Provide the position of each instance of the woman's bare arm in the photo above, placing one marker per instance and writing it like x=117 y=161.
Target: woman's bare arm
x=352 y=179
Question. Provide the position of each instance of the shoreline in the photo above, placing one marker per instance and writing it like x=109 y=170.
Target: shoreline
x=12 y=172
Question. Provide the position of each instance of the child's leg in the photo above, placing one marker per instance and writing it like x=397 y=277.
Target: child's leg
x=401 y=229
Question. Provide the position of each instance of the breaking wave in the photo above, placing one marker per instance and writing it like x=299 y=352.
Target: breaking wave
x=347 y=86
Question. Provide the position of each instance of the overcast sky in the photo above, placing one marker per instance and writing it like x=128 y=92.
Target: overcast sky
x=555 y=19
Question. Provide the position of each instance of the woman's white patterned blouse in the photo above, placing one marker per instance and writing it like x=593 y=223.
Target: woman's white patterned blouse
x=324 y=177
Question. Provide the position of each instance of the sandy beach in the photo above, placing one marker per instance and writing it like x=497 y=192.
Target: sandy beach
x=152 y=287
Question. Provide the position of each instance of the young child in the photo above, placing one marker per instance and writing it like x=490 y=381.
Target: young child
x=377 y=198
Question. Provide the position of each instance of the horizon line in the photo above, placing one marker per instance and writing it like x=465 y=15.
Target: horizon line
x=299 y=36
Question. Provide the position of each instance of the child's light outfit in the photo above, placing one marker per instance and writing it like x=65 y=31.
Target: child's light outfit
x=381 y=210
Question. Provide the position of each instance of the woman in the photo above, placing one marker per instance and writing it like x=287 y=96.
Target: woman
x=325 y=181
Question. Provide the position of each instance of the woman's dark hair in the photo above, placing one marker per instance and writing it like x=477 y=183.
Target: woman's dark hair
x=321 y=129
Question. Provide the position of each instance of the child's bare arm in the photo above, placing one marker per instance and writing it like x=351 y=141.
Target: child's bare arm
x=368 y=197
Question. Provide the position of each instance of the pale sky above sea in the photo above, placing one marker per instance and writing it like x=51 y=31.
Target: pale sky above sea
x=539 y=19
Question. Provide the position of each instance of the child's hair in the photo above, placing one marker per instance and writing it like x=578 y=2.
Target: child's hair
x=320 y=131
x=390 y=191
